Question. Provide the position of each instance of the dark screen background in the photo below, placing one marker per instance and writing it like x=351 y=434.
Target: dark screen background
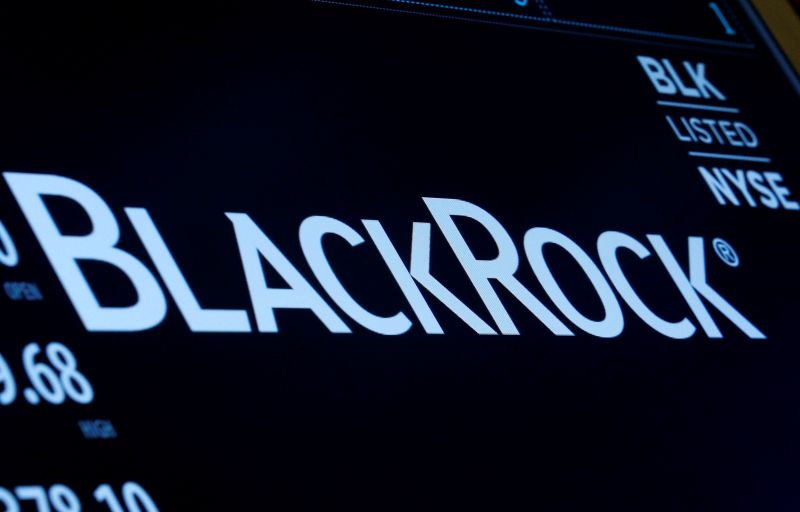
x=293 y=109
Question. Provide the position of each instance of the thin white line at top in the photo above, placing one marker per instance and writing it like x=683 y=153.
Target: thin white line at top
x=695 y=106
x=724 y=156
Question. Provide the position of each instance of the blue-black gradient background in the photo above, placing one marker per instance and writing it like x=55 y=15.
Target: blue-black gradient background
x=292 y=109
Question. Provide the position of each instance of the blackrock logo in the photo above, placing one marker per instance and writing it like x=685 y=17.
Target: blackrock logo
x=414 y=279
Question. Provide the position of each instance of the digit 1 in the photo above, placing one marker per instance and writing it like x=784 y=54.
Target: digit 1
x=105 y=494
x=135 y=497
x=8 y=251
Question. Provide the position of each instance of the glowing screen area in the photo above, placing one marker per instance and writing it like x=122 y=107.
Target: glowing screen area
x=398 y=255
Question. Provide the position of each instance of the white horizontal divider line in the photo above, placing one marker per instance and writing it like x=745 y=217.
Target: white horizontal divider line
x=695 y=106
x=724 y=156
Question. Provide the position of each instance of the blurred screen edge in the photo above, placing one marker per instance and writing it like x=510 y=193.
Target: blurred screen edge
x=784 y=24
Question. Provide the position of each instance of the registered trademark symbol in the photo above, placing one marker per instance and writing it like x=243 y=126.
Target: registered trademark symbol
x=725 y=252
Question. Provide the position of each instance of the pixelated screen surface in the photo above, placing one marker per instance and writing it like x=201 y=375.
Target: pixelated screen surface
x=390 y=254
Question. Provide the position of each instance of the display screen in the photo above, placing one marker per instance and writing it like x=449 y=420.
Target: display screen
x=398 y=255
